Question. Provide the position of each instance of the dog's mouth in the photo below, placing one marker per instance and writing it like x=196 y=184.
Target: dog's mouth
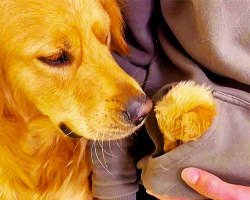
x=68 y=132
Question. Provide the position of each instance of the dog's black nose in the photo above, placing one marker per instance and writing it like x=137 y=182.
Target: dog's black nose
x=138 y=111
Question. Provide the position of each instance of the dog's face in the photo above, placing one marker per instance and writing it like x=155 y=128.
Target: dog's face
x=55 y=56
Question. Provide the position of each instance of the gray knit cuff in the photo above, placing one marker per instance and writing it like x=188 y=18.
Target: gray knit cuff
x=130 y=197
x=114 y=170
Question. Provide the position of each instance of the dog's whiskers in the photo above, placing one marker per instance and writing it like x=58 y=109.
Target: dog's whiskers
x=110 y=148
x=124 y=6
x=77 y=145
x=91 y=151
x=102 y=146
x=156 y=92
x=67 y=135
x=131 y=137
x=141 y=84
x=103 y=151
x=133 y=76
x=120 y=147
x=100 y=160
x=121 y=7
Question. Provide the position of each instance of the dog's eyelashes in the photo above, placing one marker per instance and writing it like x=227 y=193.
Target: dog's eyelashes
x=56 y=60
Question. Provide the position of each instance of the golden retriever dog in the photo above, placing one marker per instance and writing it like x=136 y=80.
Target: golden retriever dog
x=59 y=87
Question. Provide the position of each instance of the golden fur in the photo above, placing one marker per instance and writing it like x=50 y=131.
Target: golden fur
x=88 y=93
x=185 y=113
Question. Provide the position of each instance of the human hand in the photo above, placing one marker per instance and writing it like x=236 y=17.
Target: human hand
x=211 y=186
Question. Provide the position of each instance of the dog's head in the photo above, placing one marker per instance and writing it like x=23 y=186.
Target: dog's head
x=55 y=58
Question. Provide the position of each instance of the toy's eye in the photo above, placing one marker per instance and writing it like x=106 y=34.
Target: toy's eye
x=56 y=60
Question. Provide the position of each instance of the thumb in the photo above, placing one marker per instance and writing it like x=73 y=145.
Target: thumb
x=212 y=187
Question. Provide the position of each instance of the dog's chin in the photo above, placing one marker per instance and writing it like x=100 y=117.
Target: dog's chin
x=108 y=136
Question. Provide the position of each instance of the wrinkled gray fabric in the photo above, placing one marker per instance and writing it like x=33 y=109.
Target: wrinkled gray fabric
x=206 y=41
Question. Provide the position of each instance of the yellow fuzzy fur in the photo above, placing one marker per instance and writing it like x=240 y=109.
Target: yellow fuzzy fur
x=185 y=113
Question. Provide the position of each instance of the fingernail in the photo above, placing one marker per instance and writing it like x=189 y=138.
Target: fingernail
x=190 y=176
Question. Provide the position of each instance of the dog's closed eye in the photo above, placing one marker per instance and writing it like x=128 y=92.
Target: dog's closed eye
x=57 y=60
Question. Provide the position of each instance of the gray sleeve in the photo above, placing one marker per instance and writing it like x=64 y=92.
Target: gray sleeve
x=130 y=197
x=114 y=170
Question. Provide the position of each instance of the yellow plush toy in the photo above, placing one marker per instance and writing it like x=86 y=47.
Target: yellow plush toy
x=185 y=113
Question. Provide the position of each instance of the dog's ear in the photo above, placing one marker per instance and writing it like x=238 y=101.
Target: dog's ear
x=117 y=26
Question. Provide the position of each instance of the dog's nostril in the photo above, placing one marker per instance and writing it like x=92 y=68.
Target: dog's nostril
x=138 y=111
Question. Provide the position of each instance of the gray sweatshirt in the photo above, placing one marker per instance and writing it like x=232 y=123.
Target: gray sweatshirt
x=173 y=40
